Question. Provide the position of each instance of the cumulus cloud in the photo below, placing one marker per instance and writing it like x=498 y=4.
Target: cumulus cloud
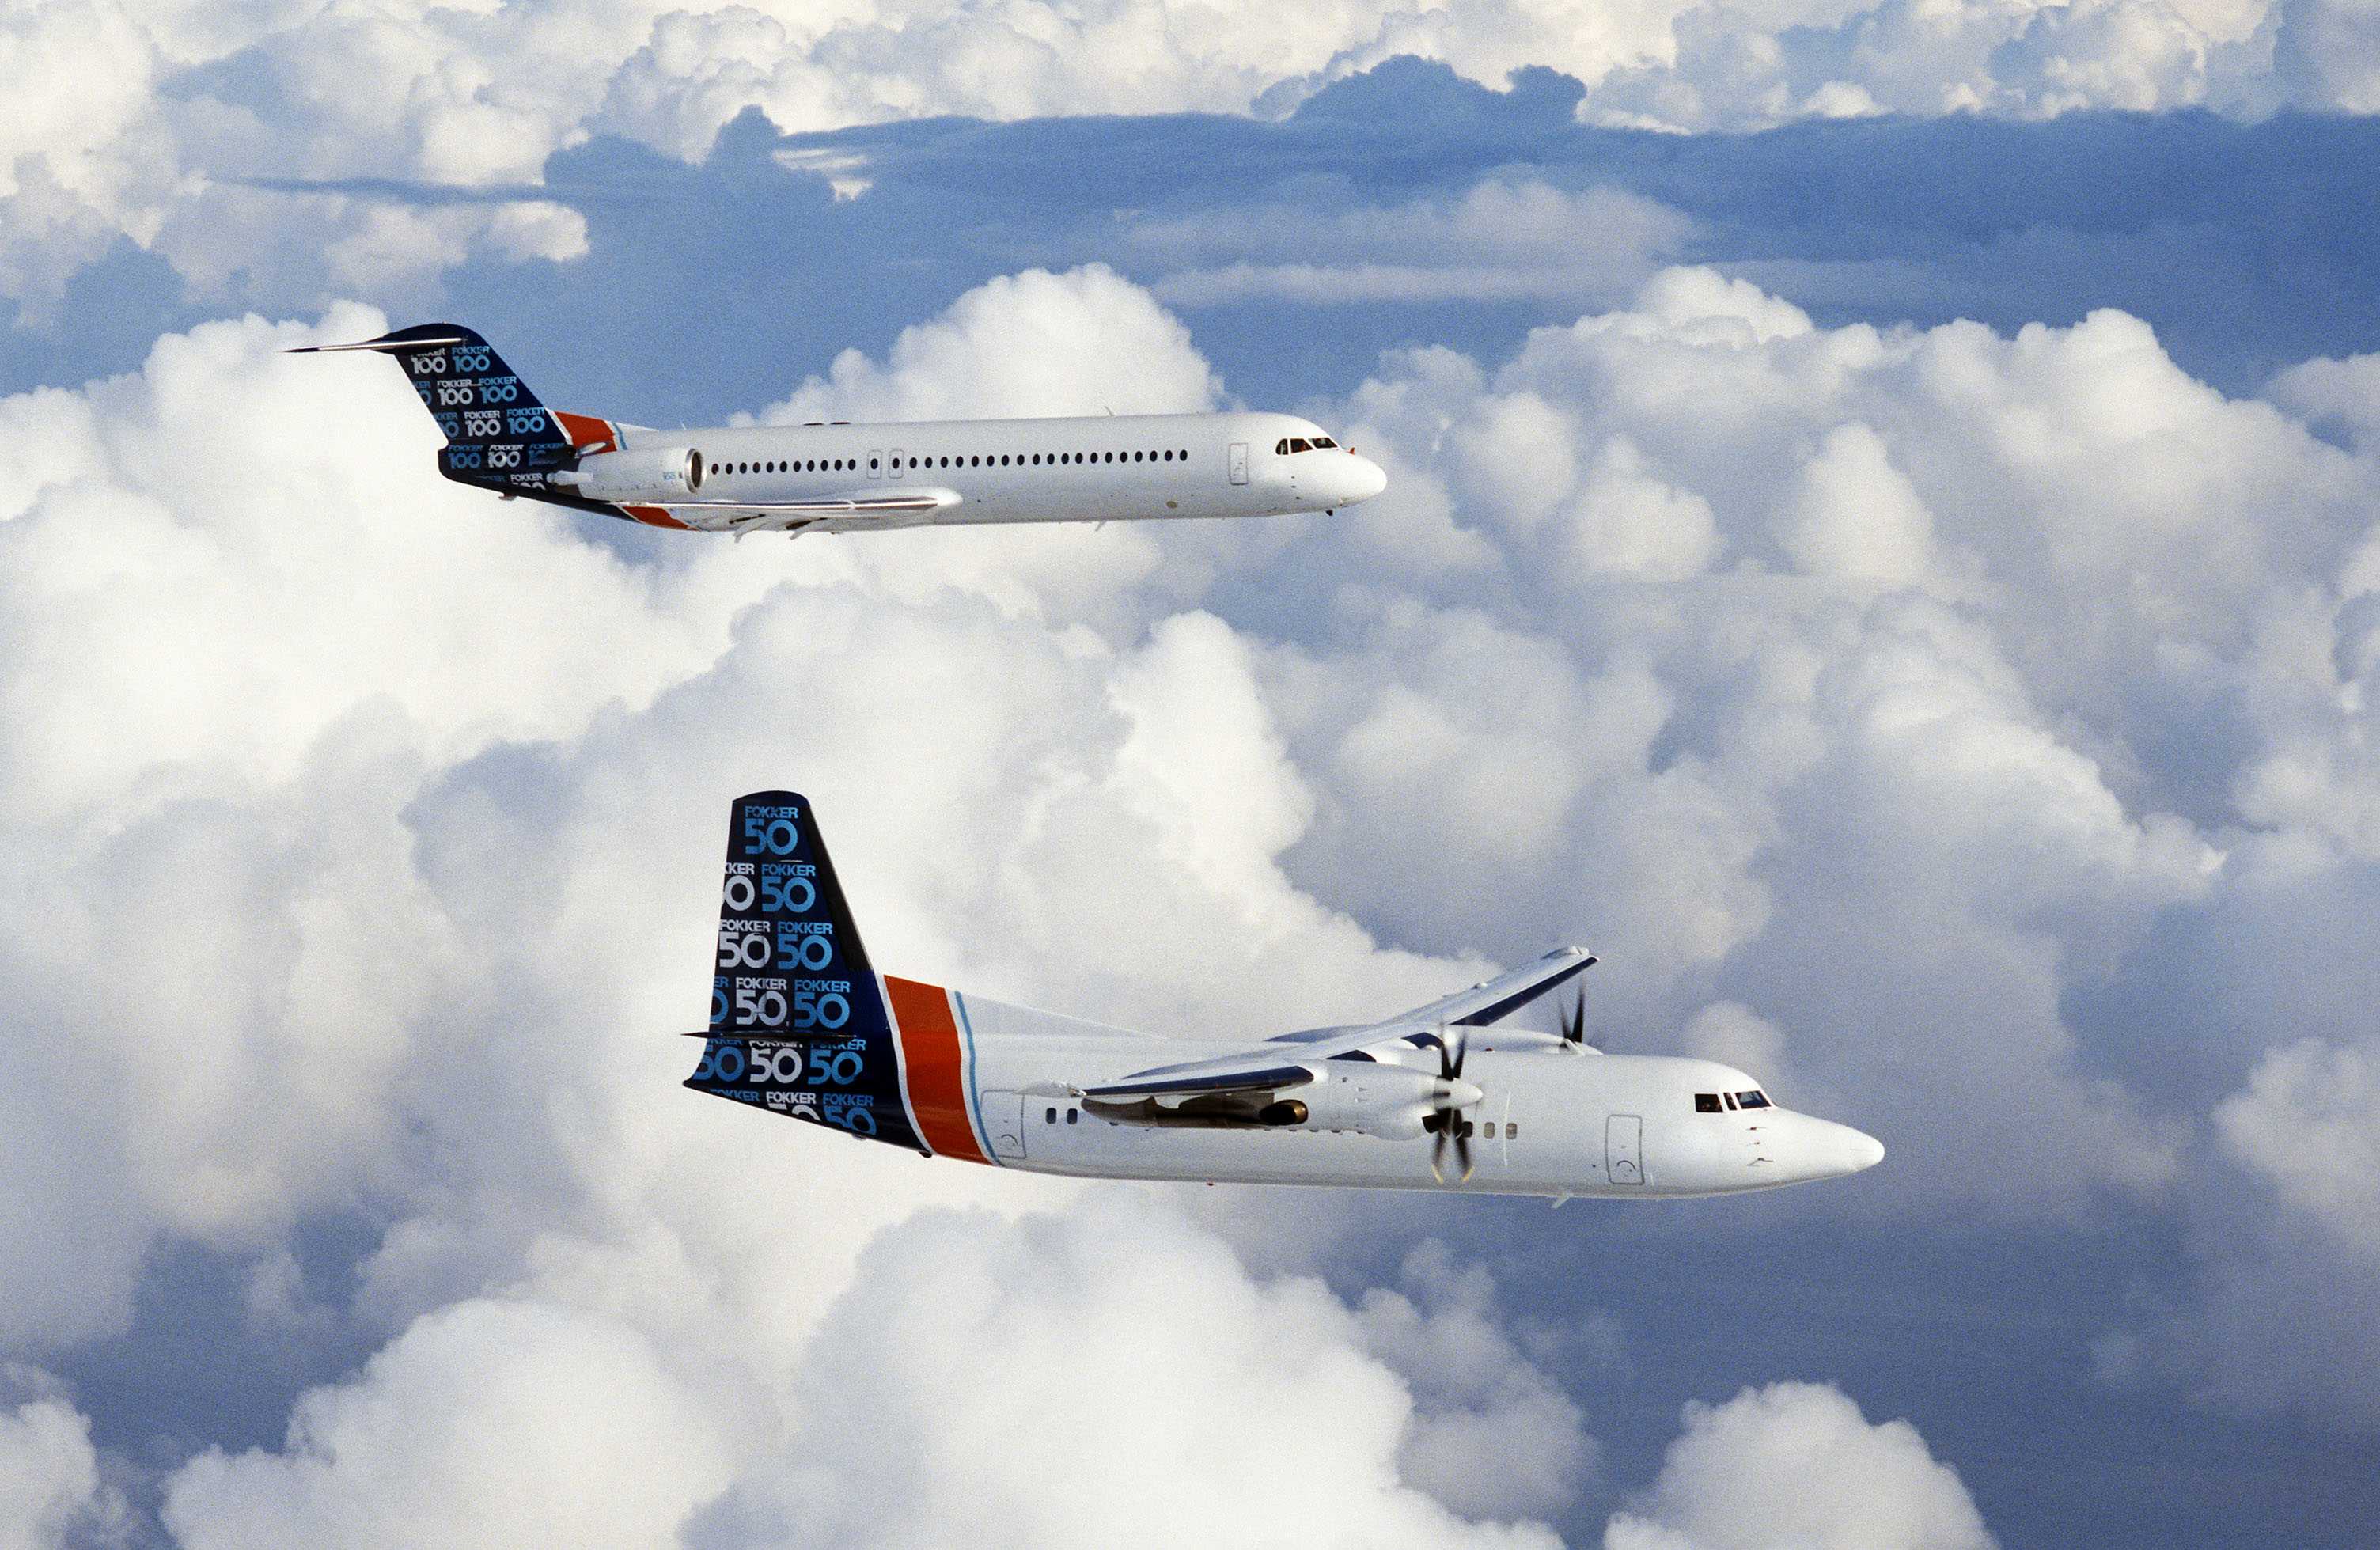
x=1796 y=1463
x=51 y=1492
x=163 y=129
x=574 y=1429
x=1086 y=341
x=2277 y=1314
x=1830 y=680
x=1786 y=639
x=1147 y=1365
x=268 y=717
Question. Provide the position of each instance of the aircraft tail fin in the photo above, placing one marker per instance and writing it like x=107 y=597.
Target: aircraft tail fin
x=799 y=1022
x=494 y=425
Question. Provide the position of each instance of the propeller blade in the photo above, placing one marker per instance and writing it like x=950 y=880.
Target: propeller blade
x=1438 y=1155
x=1462 y=1150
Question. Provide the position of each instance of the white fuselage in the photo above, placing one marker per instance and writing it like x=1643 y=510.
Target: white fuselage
x=1555 y=1120
x=1117 y=467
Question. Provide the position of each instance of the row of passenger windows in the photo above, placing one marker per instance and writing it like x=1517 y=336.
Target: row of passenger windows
x=1050 y=1116
x=1715 y=1103
x=1005 y=460
x=1300 y=443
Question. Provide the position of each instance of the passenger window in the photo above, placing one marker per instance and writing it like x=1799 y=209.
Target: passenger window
x=1050 y=1116
x=1511 y=1130
x=1706 y=1103
x=1073 y=1115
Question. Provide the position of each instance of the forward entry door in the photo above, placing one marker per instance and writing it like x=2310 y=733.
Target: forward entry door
x=1624 y=1149
x=1004 y=1123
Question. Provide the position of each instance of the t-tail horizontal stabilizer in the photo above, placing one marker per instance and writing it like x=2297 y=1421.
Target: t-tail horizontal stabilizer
x=498 y=435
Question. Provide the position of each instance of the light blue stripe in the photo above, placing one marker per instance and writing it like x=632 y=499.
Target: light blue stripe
x=975 y=1098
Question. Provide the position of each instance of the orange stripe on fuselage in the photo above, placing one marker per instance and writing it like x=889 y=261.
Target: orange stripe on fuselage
x=929 y=1062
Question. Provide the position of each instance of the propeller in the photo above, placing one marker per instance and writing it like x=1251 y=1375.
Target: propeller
x=1574 y=1021
x=1445 y=1122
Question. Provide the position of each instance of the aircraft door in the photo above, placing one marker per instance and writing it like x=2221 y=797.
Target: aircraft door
x=1004 y=1123
x=1624 y=1149
x=876 y=463
x=1239 y=462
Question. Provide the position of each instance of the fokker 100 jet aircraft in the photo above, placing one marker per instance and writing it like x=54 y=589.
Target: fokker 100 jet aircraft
x=1445 y=1096
x=839 y=477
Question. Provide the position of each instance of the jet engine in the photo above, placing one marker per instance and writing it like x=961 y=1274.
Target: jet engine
x=656 y=474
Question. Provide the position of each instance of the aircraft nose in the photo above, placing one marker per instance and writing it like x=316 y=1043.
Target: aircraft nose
x=1369 y=480
x=1859 y=1149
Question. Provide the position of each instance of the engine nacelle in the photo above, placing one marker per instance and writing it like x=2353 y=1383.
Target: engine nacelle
x=656 y=474
x=1373 y=1097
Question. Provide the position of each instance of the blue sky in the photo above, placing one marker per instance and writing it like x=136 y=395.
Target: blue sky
x=1900 y=585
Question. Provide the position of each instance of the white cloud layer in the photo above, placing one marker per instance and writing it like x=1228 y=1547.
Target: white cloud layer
x=361 y=834
x=173 y=129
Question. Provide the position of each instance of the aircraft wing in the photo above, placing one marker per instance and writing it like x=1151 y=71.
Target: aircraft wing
x=1293 y=1060
x=1492 y=999
x=763 y=517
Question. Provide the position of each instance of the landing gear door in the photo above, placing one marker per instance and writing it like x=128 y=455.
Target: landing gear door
x=1239 y=462
x=1624 y=1149
x=1003 y=1124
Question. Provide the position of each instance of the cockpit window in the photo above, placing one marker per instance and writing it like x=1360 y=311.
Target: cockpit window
x=1299 y=444
x=1323 y=443
x=1280 y=449
x=1706 y=1103
x=1755 y=1100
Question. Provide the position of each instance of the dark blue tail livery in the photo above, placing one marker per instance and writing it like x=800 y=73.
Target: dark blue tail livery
x=498 y=435
x=797 y=1017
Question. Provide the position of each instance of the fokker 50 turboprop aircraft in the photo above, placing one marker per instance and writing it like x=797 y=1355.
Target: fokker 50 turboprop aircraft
x=840 y=478
x=1446 y=1096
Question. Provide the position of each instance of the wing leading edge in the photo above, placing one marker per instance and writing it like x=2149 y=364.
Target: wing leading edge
x=1492 y=1000
x=1261 y=1071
